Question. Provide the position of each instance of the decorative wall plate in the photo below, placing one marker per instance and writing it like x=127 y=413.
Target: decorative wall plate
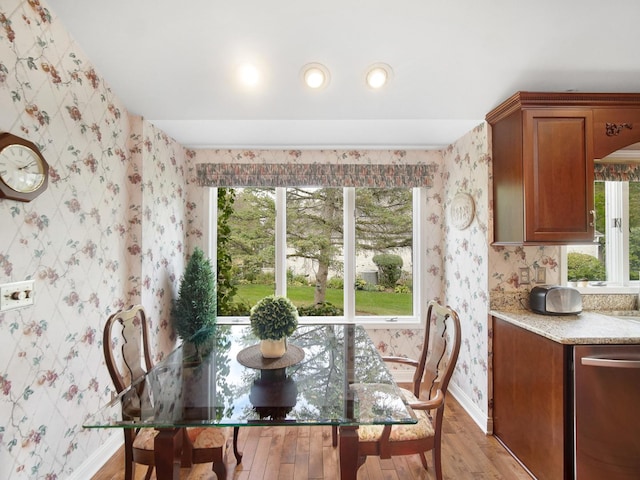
x=461 y=210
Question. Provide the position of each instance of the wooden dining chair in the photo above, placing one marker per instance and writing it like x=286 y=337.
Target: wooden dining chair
x=131 y=362
x=432 y=372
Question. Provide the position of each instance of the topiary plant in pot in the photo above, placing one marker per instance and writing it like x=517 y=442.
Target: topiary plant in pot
x=194 y=312
x=273 y=319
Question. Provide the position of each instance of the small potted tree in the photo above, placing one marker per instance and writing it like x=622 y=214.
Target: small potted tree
x=194 y=312
x=273 y=319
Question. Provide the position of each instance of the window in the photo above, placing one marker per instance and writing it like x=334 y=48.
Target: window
x=340 y=254
x=614 y=259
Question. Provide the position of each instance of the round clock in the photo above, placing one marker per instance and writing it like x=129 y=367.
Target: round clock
x=23 y=169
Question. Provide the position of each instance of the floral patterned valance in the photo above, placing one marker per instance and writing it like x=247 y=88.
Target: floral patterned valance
x=617 y=172
x=314 y=175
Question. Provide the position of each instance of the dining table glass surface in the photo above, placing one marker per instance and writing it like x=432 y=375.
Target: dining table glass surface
x=337 y=377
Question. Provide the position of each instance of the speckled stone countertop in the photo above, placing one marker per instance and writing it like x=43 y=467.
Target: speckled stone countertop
x=586 y=328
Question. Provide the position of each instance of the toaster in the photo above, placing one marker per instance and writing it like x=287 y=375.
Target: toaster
x=555 y=300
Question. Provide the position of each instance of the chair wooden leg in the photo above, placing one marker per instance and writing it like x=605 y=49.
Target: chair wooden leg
x=437 y=462
x=128 y=469
x=423 y=459
x=236 y=453
x=334 y=435
x=220 y=469
x=147 y=476
x=129 y=466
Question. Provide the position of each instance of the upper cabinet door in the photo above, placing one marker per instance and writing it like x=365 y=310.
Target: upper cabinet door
x=557 y=158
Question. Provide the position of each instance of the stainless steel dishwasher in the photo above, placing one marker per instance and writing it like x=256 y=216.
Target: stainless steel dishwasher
x=607 y=412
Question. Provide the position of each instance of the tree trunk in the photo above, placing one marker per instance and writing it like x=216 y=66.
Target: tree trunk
x=320 y=292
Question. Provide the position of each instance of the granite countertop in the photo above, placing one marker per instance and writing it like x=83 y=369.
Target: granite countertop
x=585 y=328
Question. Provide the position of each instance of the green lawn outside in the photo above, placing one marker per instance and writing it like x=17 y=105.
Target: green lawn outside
x=367 y=303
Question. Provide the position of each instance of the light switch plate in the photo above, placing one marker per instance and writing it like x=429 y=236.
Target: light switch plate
x=16 y=295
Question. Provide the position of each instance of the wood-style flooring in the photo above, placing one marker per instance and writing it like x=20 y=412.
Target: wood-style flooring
x=298 y=453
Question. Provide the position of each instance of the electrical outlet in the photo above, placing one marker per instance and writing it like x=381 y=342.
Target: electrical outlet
x=16 y=295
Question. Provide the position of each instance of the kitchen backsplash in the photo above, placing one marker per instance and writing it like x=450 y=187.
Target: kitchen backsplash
x=519 y=299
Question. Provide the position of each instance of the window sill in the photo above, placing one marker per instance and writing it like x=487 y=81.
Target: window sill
x=608 y=290
x=390 y=323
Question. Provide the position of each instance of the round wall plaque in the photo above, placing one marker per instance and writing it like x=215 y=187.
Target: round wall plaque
x=461 y=210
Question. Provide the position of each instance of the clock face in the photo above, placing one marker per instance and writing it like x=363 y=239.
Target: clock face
x=21 y=169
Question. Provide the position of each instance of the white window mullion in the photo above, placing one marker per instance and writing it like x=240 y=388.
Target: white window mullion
x=615 y=232
x=211 y=224
x=281 y=242
x=624 y=258
x=349 y=261
x=419 y=253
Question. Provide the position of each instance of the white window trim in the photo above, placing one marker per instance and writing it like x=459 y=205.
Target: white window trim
x=419 y=260
x=617 y=245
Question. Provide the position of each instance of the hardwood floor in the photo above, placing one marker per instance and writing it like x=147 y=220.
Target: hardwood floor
x=297 y=453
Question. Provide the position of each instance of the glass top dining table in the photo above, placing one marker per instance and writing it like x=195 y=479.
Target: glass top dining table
x=331 y=375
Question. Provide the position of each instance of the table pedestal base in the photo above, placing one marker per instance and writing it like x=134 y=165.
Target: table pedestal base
x=349 y=458
x=168 y=453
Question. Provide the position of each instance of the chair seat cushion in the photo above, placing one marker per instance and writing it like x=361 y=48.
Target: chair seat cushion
x=144 y=439
x=207 y=437
x=422 y=429
x=201 y=437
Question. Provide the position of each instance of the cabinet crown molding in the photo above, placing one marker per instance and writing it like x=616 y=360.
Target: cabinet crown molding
x=520 y=100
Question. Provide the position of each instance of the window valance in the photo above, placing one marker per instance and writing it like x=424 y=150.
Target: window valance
x=314 y=175
x=617 y=172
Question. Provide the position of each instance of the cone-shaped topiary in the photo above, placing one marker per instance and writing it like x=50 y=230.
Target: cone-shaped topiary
x=273 y=317
x=194 y=312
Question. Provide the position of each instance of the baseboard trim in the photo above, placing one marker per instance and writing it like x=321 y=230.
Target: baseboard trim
x=478 y=416
x=99 y=457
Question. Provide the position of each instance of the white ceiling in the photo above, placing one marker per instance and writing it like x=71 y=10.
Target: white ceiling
x=174 y=63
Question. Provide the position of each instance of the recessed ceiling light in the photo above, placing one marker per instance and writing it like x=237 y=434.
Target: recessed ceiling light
x=378 y=75
x=249 y=75
x=315 y=76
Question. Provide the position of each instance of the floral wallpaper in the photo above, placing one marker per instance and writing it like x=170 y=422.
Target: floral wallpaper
x=111 y=229
x=168 y=233
x=465 y=277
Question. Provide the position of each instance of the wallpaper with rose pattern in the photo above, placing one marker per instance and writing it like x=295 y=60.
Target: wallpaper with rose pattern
x=111 y=229
x=120 y=216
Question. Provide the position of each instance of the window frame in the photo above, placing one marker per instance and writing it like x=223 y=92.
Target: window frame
x=616 y=245
x=419 y=260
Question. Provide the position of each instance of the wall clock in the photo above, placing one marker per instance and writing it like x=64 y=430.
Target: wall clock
x=23 y=169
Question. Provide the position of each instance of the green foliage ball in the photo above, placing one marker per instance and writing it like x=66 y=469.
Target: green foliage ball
x=273 y=317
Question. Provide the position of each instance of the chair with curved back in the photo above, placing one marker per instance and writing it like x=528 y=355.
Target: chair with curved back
x=132 y=362
x=432 y=373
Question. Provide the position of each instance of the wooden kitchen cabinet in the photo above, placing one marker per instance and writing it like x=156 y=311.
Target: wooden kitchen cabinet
x=543 y=149
x=532 y=411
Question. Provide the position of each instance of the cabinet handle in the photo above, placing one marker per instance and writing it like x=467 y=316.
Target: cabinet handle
x=593 y=225
x=610 y=362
